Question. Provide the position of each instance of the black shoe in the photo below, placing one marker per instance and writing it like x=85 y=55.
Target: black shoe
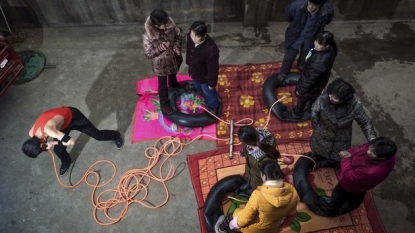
x=64 y=168
x=119 y=142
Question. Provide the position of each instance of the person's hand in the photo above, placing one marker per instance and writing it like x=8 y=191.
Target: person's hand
x=233 y=224
x=176 y=50
x=345 y=154
x=70 y=142
x=50 y=145
x=211 y=88
x=164 y=46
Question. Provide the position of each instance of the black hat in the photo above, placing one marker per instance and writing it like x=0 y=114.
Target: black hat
x=318 y=2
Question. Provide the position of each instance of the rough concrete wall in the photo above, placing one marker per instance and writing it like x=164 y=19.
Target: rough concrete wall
x=52 y=13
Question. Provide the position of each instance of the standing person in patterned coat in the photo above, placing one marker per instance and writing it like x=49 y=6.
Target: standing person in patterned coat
x=332 y=116
x=162 y=43
x=258 y=146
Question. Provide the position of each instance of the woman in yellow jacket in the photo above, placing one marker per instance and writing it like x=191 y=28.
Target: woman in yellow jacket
x=268 y=205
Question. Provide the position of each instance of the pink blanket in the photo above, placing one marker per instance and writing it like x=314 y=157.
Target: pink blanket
x=149 y=123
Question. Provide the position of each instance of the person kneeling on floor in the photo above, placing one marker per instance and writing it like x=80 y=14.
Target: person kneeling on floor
x=362 y=168
x=267 y=206
x=57 y=123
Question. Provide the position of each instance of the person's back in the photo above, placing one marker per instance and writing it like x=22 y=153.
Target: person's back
x=266 y=207
x=274 y=203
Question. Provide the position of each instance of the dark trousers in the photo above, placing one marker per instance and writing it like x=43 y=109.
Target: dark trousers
x=303 y=104
x=339 y=197
x=81 y=123
x=163 y=93
x=289 y=57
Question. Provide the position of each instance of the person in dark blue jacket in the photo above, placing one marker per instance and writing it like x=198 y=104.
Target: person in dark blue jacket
x=307 y=18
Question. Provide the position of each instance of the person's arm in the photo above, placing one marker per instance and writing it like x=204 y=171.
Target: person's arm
x=213 y=67
x=149 y=50
x=290 y=11
x=31 y=133
x=51 y=131
x=349 y=175
x=247 y=214
x=315 y=111
x=364 y=122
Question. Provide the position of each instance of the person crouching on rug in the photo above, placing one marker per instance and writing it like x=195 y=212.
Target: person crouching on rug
x=362 y=168
x=57 y=123
x=268 y=205
x=315 y=75
x=162 y=43
x=258 y=146
x=202 y=56
x=332 y=116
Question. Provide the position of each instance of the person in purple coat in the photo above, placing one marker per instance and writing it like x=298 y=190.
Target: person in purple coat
x=362 y=168
x=202 y=56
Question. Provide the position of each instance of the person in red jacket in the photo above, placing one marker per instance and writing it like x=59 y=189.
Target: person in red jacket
x=57 y=123
x=362 y=168
x=202 y=56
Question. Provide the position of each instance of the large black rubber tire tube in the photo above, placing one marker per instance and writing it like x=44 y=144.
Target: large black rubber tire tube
x=213 y=203
x=187 y=120
x=268 y=94
x=308 y=195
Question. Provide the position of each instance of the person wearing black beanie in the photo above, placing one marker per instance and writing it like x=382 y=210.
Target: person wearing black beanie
x=307 y=18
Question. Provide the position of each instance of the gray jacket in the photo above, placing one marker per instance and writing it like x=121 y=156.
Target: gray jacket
x=332 y=125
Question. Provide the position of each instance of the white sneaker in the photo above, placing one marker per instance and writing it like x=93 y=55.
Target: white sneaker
x=220 y=220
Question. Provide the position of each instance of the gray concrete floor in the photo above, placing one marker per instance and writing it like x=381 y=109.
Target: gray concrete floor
x=96 y=71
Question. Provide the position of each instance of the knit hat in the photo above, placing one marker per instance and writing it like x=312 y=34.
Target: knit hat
x=318 y=2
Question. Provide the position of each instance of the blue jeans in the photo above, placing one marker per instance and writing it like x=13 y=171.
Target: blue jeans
x=212 y=96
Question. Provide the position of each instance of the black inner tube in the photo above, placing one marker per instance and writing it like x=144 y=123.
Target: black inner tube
x=213 y=203
x=308 y=195
x=188 y=120
x=268 y=94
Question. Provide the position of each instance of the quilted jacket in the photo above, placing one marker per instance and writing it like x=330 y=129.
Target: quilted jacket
x=332 y=125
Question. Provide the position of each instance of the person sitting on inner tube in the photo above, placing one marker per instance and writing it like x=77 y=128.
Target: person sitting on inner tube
x=315 y=75
x=258 y=146
x=332 y=116
x=267 y=206
x=202 y=56
x=362 y=168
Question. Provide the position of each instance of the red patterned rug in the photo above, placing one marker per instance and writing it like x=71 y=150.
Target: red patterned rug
x=208 y=167
x=240 y=88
